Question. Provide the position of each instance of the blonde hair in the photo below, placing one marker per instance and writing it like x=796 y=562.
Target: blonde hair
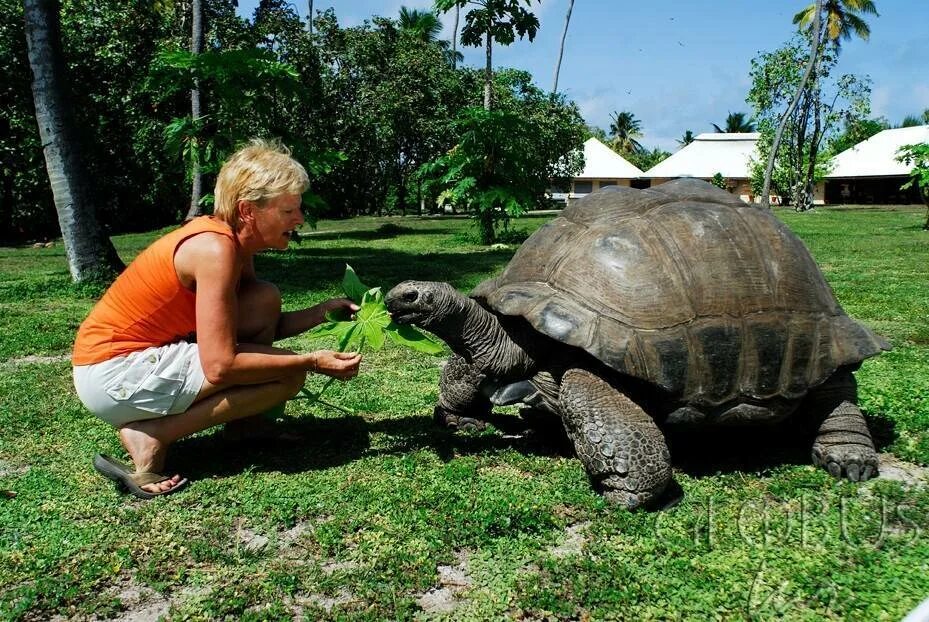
x=261 y=170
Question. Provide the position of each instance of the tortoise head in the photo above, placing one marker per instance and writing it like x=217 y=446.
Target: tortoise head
x=430 y=304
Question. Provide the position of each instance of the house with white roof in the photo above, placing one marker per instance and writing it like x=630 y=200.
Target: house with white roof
x=602 y=167
x=870 y=173
x=728 y=154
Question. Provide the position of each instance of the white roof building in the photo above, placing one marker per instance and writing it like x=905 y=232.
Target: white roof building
x=601 y=162
x=708 y=154
x=602 y=167
x=877 y=156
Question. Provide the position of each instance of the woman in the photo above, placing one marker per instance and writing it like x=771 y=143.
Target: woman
x=182 y=339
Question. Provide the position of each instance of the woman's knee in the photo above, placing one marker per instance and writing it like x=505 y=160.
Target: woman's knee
x=293 y=383
x=259 y=312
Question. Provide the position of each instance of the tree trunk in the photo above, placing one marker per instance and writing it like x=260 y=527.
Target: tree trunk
x=309 y=18
x=488 y=74
x=196 y=178
x=564 y=35
x=90 y=253
x=455 y=40
x=814 y=57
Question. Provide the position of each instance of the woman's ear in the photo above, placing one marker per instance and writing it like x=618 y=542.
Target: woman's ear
x=246 y=210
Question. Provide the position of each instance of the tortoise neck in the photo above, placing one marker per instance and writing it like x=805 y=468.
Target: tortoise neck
x=477 y=335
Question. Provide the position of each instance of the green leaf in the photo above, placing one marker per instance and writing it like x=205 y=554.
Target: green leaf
x=352 y=286
x=413 y=338
x=332 y=329
x=372 y=318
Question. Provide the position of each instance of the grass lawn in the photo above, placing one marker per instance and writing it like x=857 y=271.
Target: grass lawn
x=380 y=515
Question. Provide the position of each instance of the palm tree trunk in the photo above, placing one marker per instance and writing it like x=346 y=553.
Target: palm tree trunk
x=814 y=57
x=564 y=35
x=309 y=18
x=455 y=40
x=196 y=178
x=90 y=253
x=488 y=73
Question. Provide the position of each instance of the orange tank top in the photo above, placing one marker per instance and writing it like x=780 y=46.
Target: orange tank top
x=147 y=305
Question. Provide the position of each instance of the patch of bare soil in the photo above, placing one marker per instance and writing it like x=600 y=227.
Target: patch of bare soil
x=453 y=582
x=573 y=543
x=892 y=468
x=34 y=359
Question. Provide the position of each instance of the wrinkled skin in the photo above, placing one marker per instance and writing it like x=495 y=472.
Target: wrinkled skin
x=502 y=361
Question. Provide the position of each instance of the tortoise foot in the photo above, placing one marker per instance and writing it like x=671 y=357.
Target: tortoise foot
x=844 y=445
x=456 y=421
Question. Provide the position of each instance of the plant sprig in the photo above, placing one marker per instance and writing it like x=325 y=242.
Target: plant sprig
x=370 y=326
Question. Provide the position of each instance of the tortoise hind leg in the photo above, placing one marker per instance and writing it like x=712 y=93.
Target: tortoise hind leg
x=843 y=443
x=623 y=450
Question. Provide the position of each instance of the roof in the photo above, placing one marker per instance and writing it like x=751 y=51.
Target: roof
x=724 y=153
x=876 y=157
x=601 y=162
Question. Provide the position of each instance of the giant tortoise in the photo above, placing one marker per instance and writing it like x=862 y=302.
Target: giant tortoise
x=640 y=309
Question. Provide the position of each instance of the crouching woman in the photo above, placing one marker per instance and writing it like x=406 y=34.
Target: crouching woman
x=182 y=340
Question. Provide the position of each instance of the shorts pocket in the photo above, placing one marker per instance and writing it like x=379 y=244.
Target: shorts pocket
x=139 y=367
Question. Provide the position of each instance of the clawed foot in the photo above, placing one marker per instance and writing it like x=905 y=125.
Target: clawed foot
x=614 y=491
x=855 y=462
x=455 y=421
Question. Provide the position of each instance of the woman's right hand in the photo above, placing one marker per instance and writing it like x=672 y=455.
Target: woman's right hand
x=341 y=365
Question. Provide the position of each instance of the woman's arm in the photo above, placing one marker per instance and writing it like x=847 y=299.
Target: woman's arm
x=214 y=265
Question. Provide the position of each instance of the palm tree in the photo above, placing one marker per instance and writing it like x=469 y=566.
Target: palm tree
x=624 y=129
x=910 y=120
x=736 y=123
x=564 y=35
x=686 y=139
x=90 y=253
x=309 y=17
x=455 y=53
x=925 y=116
x=424 y=24
x=196 y=177
x=841 y=19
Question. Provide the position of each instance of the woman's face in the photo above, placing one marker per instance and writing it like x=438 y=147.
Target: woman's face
x=277 y=219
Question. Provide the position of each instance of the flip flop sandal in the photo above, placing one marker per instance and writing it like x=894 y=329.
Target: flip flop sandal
x=129 y=481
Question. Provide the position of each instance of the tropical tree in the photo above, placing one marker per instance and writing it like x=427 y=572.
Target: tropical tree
x=493 y=20
x=840 y=20
x=910 y=120
x=196 y=47
x=854 y=132
x=917 y=156
x=564 y=35
x=686 y=139
x=91 y=255
x=424 y=24
x=925 y=116
x=824 y=103
x=455 y=37
x=624 y=130
x=736 y=122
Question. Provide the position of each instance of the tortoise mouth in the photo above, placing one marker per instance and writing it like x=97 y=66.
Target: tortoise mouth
x=405 y=304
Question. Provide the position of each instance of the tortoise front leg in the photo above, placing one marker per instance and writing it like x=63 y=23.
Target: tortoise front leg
x=843 y=443
x=461 y=402
x=623 y=450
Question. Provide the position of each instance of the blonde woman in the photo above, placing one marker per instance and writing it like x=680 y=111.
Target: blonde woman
x=182 y=339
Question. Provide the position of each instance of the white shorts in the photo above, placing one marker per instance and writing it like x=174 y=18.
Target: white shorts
x=147 y=384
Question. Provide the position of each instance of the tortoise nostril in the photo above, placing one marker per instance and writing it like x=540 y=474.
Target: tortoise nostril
x=410 y=296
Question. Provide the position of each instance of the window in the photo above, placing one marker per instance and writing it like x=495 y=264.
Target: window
x=583 y=187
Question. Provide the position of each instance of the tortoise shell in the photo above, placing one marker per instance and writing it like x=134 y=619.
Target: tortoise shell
x=687 y=287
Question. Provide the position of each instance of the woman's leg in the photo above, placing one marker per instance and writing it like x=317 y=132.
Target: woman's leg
x=147 y=441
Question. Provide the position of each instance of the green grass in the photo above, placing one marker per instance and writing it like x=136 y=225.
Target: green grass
x=366 y=517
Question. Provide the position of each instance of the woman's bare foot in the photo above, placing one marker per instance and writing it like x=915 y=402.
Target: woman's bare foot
x=147 y=452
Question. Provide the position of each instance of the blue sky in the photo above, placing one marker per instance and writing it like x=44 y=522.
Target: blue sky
x=683 y=64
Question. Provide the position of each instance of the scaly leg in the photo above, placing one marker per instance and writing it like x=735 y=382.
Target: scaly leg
x=843 y=444
x=461 y=402
x=622 y=449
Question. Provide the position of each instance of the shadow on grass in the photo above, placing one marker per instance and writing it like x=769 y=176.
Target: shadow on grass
x=384 y=232
x=335 y=441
